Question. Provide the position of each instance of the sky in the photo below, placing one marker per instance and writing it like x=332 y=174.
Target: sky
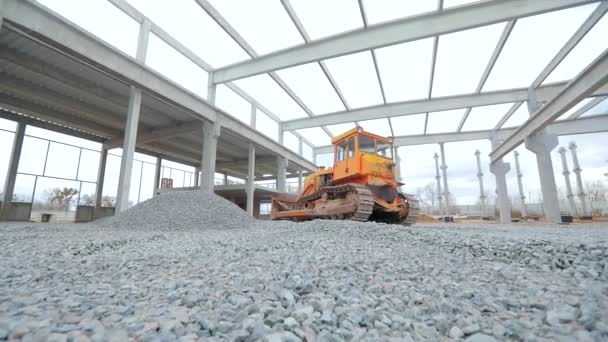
x=404 y=70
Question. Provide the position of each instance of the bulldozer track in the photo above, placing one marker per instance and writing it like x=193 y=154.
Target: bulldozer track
x=364 y=208
x=413 y=210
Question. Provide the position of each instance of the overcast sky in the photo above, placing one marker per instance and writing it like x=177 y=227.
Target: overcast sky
x=404 y=71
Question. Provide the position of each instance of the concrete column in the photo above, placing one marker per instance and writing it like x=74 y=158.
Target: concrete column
x=101 y=174
x=197 y=172
x=446 y=191
x=499 y=168
x=211 y=131
x=520 y=186
x=157 y=172
x=251 y=180
x=397 y=168
x=542 y=144
x=211 y=87
x=142 y=40
x=281 y=174
x=576 y=167
x=482 y=194
x=566 y=173
x=225 y=179
x=128 y=150
x=253 y=116
x=11 y=174
x=438 y=178
x=300 y=181
x=130 y=134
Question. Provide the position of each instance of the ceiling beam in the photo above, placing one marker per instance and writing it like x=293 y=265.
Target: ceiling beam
x=395 y=32
x=584 y=84
x=157 y=134
x=543 y=93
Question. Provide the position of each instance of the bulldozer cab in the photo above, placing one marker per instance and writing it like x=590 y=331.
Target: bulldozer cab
x=350 y=147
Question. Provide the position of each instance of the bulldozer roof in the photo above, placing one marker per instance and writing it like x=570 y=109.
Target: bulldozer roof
x=357 y=130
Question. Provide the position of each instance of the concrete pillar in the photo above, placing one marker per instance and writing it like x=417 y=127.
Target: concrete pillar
x=211 y=131
x=128 y=150
x=300 y=181
x=482 y=194
x=211 y=87
x=253 y=116
x=101 y=174
x=566 y=173
x=197 y=172
x=281 y=174
x=11 y=173
x=130 y=133
x=225 y=179
x=251 y=180
x=499 y=168
x=576 y=167
x=438 y=178
x=397 y=168
x=520 y=186
x=157 y=173
x=446 y=191
x=542 y=144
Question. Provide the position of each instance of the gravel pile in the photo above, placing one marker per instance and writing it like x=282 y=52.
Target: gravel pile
x=182 y=209
x=312 y=281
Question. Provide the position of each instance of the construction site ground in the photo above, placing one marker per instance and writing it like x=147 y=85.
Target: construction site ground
x=193 y=267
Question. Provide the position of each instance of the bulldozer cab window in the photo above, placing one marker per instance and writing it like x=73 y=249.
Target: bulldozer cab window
x=367 y=144
x=351 y=147
x=385 y=149
x=340 y=151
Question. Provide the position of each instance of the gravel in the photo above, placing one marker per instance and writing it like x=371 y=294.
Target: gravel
x=208 y=272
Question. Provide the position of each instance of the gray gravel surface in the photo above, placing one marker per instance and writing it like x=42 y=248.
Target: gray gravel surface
x=219 y=275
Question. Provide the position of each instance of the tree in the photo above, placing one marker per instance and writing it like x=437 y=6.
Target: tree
x=87 y=200
x=61 y=197
x=427 y=196
x=597 y=192
x=108 y=201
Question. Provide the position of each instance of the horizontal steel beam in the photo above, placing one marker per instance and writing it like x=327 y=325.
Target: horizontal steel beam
x=585 y=83
x=592 y=124
x=544 y=93
x=395 y=32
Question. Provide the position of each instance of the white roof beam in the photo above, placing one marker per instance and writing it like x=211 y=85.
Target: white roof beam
x=390 y=33
x=508 y=115
x=374 y=59
x=572 y=42
x=593 y=124
x=584 y=84
x=298 y=24
x=486 y=73
x=587 y=107
x=436 y=104
x=223 y=23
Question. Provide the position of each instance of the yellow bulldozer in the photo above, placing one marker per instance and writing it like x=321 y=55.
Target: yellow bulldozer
x=361 y=186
